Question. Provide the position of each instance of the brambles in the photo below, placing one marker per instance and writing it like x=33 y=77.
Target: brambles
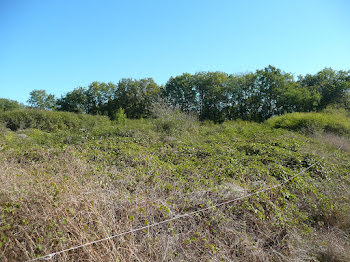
x=98 y=178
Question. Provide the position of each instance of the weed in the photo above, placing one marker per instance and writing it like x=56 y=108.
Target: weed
x=77 y=182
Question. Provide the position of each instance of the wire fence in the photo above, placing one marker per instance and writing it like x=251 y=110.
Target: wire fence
x=50 y=256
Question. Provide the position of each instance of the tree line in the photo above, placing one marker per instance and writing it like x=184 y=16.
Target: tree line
x=216 y=96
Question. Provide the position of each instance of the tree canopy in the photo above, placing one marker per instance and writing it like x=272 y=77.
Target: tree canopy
x=40 y=99
x=216 y=96
x=8 y=105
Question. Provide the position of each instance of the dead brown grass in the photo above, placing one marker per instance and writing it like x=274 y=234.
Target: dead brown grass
x=59 y=201
x=334 y=140
x=55 y=199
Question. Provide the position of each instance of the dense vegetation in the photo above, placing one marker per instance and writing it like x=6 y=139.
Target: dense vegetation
x=213 y=96
x=8 y=105
x=107 y=158
x=49 y=121
x=81 y=178
x=334 y=121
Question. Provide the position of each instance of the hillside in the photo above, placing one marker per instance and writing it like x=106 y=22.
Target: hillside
x=69 y=179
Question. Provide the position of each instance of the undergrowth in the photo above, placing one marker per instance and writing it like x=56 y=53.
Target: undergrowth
x=83 y=182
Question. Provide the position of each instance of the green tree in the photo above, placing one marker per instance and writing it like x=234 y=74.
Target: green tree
x=211 y=95
x=74 y=101
x=333 y=86
x=180 y=91
x=203 y=93
x=120 y=116
x=238 y=92
x=270 y=84
x=40 y=99
x=98 y=96
x=8 y=105
x=135 y=97
x=297 y=98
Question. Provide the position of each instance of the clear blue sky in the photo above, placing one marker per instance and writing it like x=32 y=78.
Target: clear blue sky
x=60 y=45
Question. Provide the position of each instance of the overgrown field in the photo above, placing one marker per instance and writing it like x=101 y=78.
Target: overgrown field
x=76 y=183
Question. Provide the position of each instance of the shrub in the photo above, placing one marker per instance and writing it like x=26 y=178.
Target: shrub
x=81 y=185
x=120 y=116
x=170 y=120
x=337 y=123
x=48 y=120
x=8 y=105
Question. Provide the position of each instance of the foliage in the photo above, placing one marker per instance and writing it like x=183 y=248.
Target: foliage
x=74 y=185
x=8 y=105
x=48 y=120
x=135 y=97
x=333 y=86
x=74 y=101
x=120 y=116
x=41 y=100
x=214 y=96
x=92 y=100
x=180 y=91
x=335 y=122
x=97 y=96
x=254 y=96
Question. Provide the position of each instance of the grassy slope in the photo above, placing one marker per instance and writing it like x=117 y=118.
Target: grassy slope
x=65 y=188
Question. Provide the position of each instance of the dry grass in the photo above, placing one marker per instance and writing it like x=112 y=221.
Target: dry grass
x=326 y=245
x=53 y=198
x=334 y=140
x=57 y=202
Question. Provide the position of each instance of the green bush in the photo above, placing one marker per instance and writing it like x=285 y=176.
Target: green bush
x=334 y=122
x=8 y=105
x=170 y=120
x=49 y=120
x=120 y=116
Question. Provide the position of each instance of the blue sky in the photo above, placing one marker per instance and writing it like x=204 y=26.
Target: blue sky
x=60 y=45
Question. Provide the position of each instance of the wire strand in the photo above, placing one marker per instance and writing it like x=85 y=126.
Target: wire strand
x=50 y=256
